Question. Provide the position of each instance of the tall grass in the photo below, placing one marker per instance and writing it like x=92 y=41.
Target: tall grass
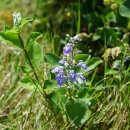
x=24 y=109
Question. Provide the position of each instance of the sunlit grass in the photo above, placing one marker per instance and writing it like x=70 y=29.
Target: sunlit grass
x=21 y=108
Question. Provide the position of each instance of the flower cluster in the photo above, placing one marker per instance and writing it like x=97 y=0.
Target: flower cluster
x=65 y=72
x=17 y=18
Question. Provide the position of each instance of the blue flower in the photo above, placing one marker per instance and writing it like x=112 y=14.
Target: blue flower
x=76 y=38
x=81 y=78
x=60 y=77
x=58 y=69
x=127 y=58
x=72 y=76
x=64 y=62
x=67 y=49
x=60 y=82
x=65 y=73
x=82 y=65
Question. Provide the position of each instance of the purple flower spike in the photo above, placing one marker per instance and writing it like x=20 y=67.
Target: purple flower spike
x=60 y=82
x=76 y=38
x=60 y=79
x=81 y=78
x=58 y=69
x=72 y=76
x=64 y=62
x=82 y=65
x=67 y=49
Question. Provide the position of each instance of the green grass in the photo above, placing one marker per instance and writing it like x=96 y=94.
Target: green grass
x=24 y=109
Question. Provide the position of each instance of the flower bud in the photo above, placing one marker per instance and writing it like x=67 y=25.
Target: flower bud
x=17 y=18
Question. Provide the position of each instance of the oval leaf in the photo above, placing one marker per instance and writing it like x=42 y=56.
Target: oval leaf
x=83 y=57
x=124 y=9
x=11 y=37
x=34 y=36
x=28 y=83
x=25 y=21
x=77 y=111
x=50 y=85
x=52 y=59
x=93 y=63
x=35 y=53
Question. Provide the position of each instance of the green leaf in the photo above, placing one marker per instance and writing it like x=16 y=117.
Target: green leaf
x=28 y=83
x=93 y=63
x=11 y=36
x=78 y=69
x=51 y=59
x=84 y=36
x=25 y=69
x=6 y=28
x=105 y=33
x=124 y=9
x=83 y=57
x=25 y=21
x=50 y=85
x=86 y=94
x=34 y=36
x=118 y=1
x=35 y=53
x=111 y=72
x=77 y=111
x=58 y=97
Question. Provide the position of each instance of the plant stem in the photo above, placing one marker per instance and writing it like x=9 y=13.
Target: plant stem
x=78 y=26
x=69 y=93
x=30 y=63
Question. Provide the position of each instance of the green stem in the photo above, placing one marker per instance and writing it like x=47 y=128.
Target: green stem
x=78 y=26
x=30 y=63
x=123 y=59
x=72 y=59
x=36 y=7
x=69 y=93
